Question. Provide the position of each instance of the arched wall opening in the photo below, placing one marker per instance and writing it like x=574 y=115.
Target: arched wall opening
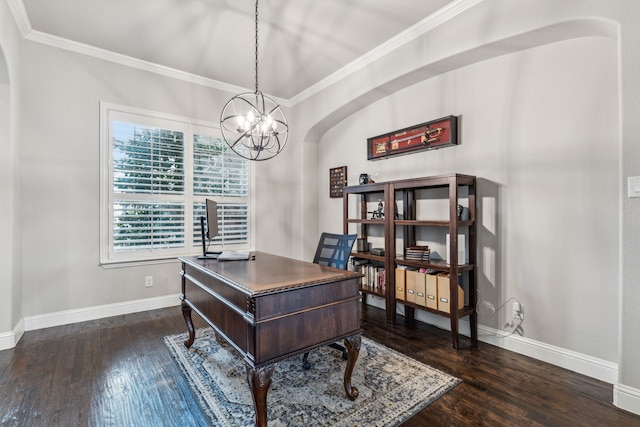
x=9 y=292
x=336 y=136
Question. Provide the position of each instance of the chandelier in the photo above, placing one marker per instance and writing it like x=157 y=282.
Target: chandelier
x=254 y=125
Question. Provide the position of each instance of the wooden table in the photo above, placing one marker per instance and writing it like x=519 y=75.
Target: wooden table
x=270 y=308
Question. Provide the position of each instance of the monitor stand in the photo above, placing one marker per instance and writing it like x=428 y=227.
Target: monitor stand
x=205 y=253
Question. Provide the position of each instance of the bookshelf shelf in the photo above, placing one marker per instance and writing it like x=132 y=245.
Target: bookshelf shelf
x=436 y=264
x=366 y=221
x=372 y=291
x=367 y=255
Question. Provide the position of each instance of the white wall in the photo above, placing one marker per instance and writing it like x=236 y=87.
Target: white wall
x=548 y=179
x=6 y=196
x=61 y=173
x=627 y=391
x=498 y=27
x=282 y=187
x=10 y=242
x=279 y=228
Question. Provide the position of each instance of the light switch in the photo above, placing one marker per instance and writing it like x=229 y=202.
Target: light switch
x=633 y=185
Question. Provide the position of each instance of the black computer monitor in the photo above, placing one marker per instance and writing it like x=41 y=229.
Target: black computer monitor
x=212 y=219
x=211 y=212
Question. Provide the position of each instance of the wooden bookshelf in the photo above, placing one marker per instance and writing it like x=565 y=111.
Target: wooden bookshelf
x=399 y=229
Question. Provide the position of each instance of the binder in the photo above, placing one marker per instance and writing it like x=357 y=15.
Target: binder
x=400 y=284
x=444 y=292
x=421 y=290
x=414 y=281
x=432 y=291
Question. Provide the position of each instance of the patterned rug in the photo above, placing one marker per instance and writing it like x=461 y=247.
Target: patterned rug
x=392 y=387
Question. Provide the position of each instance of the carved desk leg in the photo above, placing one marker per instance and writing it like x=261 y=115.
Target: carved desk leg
x=352 y=344
x=259 y=380
x=186 y=313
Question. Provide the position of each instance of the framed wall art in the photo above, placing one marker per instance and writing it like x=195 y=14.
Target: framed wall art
x=337 y=181
x=425 y=136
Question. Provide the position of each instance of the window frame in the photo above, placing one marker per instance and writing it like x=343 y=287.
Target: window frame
x=109 y=113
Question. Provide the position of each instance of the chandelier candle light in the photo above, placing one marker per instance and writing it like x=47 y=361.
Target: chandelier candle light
x=254 y=125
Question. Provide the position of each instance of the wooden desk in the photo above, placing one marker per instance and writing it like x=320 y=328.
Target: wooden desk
x=270 y=308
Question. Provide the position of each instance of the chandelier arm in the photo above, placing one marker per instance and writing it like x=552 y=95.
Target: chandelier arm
x=277 y=107
x=249 y=133
x=275 y=136
x=224 y=119
x=233 y=145
x=257 y=148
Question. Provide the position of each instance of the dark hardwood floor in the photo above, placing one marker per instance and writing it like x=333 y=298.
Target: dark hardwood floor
x=117 y=372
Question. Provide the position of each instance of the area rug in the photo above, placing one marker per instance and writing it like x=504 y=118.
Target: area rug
x=392 y=387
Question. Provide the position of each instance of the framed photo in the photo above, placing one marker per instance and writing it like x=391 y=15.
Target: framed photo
x=337 y=181
x=425 y=136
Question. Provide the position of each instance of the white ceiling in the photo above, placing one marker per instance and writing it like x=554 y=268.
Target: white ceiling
x=301 y=42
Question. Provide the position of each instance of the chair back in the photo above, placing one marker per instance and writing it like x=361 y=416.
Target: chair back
x=334 y=250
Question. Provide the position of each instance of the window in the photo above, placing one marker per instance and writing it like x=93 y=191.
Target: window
x=157 y=172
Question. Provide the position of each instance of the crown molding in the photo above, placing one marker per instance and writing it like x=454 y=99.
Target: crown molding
x=28 y=33
x=129 y=61
x=427 y=24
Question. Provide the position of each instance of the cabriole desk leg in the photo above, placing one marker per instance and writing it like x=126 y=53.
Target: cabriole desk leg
x=186 y=313
x=259 y=380
x=352 y=344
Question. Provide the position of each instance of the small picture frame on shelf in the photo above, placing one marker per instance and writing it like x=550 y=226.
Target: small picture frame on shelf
x=337 y=180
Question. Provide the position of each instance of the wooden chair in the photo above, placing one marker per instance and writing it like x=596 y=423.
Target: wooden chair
x=333 y=251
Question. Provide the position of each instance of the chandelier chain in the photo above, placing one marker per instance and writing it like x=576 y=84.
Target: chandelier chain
x=256 y=46
x=252 y=124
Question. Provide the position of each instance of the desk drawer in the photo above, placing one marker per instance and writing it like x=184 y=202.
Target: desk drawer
x=296 y=299
x=307 y=328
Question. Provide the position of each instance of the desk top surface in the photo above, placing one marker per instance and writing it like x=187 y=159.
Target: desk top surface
x=269 y=273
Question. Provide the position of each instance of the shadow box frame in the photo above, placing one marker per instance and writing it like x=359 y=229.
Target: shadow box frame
x=431 y=135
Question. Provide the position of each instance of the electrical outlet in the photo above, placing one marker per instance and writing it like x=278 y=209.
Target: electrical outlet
x=148 y=281
x=517 y=311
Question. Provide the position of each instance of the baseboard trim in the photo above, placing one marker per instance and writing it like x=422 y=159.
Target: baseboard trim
x=66 y=317
x=599 y=369
x=627 y=398
x=10 y=339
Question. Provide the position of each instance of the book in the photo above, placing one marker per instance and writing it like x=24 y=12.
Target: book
x=234 y=256
x=418 y=253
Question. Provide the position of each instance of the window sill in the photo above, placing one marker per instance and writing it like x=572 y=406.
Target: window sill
x=123 y=264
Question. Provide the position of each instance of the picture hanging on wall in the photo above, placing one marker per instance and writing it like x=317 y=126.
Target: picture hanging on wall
x=337 y=181
x=425 y=136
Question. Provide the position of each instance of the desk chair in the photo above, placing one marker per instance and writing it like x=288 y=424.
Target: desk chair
x=333 y=251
